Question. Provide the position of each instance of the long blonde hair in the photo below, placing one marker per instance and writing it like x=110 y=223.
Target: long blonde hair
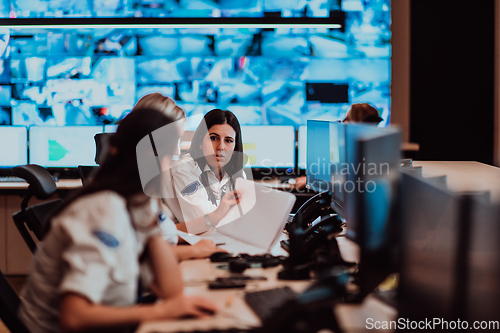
x=161 y=103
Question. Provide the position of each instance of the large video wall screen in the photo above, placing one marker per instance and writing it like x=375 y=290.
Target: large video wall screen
x=183 y=8
x=266 y=76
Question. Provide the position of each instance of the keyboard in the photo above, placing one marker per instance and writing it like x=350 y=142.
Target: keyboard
x=259 y=258
x=250 y=258
x=265 y=302
x=8 y=179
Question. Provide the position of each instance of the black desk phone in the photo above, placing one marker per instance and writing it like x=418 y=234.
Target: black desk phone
x=314 y=233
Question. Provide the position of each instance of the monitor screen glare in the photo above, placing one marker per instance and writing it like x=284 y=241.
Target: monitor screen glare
x=14 y=153
x=67 y=147
x=269 y=146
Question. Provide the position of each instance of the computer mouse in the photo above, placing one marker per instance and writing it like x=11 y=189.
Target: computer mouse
x=238 y=265
x=220 y=257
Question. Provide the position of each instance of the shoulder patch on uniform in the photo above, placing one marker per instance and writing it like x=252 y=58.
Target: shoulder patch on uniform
x=107 y=239
x=191 y=188
x=162 y=217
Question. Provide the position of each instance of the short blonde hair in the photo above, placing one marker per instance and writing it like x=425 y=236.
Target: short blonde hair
x=161 y=103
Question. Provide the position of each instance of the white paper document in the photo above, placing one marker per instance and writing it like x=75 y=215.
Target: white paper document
x=255 y=225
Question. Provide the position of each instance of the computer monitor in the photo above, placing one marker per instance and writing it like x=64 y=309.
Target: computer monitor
x=63 y=147
x=338 y=167
x=269 y=146
x=110 y=128
x=322 y=150
x=431 y=267
x=302 y=147
x=483 y=271
x=14 y=150
x=371 y=190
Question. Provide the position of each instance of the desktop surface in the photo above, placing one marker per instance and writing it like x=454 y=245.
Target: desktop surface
x=234 y=312
x=465 y=176
x=62 y=184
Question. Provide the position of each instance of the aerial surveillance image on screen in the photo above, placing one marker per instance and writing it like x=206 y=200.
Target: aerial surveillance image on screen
x=279 y=76
x=184 y=8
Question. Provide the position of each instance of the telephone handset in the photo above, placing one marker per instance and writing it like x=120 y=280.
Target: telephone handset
x=317 y=206
x=306 y=238
x=313 y=235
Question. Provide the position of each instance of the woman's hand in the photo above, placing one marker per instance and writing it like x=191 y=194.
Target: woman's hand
x=228 y=200
x=77 y=313
x=204 y=249
x=200 y=224
x=184 y=306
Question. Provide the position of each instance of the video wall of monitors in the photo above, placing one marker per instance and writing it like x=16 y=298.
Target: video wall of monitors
x=282 y=75
x=267 y=76
x=182 y=8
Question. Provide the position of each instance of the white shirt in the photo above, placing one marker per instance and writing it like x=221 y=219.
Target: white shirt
x=92 y=249
x=184 y=193
x=167 y=225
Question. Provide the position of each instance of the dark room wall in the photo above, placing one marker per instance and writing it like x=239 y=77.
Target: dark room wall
x=452 y=79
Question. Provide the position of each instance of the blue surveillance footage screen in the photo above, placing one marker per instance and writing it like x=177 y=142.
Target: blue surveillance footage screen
x=183 y=8
x=86 y=75
x=266 y=76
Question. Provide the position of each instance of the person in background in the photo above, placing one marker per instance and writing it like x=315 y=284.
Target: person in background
x=102 y=242
x=358 y=113
x=362 y=113
x=203 y=248
x=203 y=175
x=157 y=101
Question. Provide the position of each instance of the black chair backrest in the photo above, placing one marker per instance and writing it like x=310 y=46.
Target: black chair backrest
x=101 y=146
x=34 y=218
x=9 y=304
x=86 y=172
x=41 y=182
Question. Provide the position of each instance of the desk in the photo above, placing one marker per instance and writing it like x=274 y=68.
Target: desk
x=465 y=176
x=15 y=256
x=235 y=313
x=63 y=184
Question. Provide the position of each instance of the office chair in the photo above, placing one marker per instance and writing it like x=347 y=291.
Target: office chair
x=42 y=186
x=86 y=172
x=9 y=303
x=101 y=146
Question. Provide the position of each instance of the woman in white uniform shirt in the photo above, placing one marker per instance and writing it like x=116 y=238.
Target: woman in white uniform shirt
x=204 y=248
x=85 y=273
x=201 y=177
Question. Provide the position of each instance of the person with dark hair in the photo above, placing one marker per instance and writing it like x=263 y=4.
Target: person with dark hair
x=203 y=175
x=105 y=240
x=362 y=113
x=205 y=247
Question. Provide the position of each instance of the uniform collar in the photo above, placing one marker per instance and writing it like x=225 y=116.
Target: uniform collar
x=212 y=174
